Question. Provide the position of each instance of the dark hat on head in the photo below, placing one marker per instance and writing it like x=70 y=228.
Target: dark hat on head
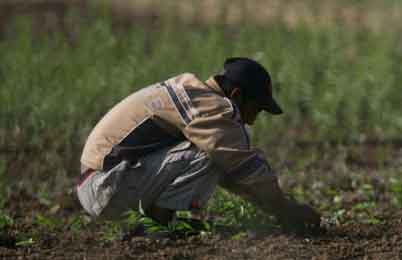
x=254 y=80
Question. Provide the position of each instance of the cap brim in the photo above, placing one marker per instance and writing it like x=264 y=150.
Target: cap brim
x=272 y=107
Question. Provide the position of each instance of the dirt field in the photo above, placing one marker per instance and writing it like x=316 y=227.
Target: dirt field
x=350 y=238
x=355 y=241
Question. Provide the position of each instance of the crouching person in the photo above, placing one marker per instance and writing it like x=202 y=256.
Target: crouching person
x=167 y=146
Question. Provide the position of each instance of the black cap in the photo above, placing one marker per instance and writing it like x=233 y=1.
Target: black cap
x=254 y=80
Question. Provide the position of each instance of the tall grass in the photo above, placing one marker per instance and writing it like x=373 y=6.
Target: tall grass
x=333 y=83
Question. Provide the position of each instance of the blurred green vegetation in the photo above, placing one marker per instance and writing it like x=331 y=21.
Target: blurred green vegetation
x=334 y=84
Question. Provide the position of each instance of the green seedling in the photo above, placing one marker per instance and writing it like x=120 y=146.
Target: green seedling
x=48 y=223
x=337 y=217
x=5 y=221
x=396 y=189
x=77 y=223
x=111 y=231
x=26 y=242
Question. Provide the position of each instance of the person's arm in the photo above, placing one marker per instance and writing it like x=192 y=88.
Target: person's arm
x=269 y=197
x=246 y=171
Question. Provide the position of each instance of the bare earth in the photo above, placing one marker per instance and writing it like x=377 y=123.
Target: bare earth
x=344 y=240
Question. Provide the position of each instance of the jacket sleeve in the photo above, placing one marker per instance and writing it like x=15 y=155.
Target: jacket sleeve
x=217 y=132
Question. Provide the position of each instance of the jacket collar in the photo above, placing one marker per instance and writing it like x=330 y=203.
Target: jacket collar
x=213 y=85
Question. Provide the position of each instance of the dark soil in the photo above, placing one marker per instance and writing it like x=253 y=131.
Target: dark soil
x=343 y=241
x=357 y=241
x=351 y=239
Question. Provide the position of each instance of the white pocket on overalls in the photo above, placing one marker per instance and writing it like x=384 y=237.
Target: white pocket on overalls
x=106 y=184
x=175 y=153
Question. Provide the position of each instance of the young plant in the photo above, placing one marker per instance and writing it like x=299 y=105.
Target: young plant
x=396 y=189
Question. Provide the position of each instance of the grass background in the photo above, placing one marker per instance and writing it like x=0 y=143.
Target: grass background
x=334 y=83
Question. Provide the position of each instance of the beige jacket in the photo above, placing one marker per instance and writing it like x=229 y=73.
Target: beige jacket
x=180 y=108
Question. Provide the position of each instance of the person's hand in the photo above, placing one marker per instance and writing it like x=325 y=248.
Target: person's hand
x=299 y=218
